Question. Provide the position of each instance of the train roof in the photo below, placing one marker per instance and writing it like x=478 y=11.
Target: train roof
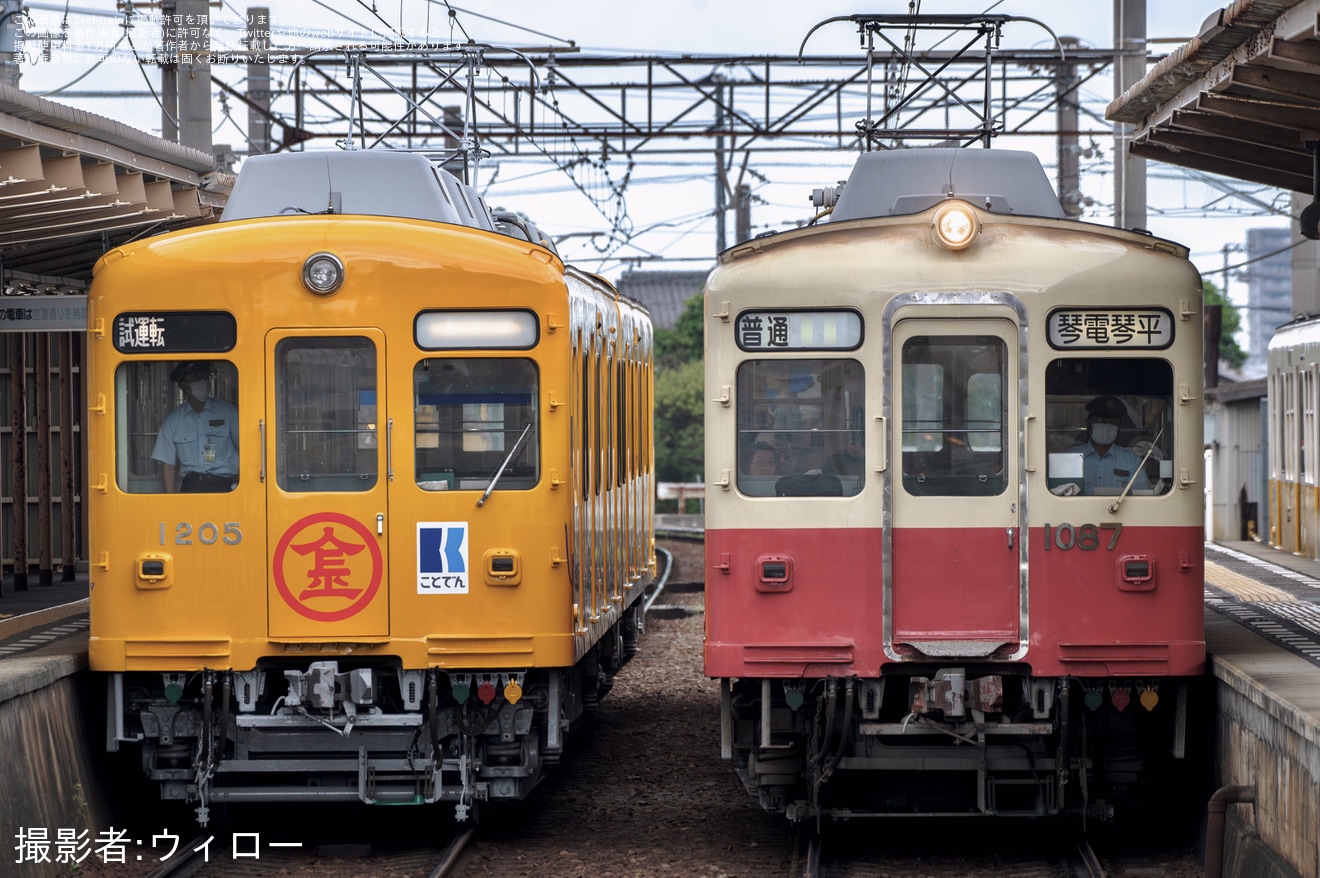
x=360 y=182
x=902 y=182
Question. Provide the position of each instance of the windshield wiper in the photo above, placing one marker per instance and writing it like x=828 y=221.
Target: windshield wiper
x=1140 y=468
x=517 y=446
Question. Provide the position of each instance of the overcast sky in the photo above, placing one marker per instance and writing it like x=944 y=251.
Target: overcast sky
x=675 y=201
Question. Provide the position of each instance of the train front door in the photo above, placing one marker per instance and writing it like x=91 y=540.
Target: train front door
x=326 y=471
x=953 y=582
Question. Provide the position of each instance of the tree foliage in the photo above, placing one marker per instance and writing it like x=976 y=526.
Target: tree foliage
x=679 y=434
x=679 y=410
x=1230 y=322
x=682 y=344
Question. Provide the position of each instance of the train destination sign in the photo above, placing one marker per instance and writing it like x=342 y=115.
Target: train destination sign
x=837 y=330
x=167 y=332
x=1126 y=328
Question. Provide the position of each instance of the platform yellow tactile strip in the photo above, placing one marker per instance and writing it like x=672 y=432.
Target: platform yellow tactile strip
x=1242 y=587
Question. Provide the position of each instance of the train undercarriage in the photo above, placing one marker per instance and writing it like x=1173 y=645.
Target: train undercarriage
x=955 y=742
x=342 y=730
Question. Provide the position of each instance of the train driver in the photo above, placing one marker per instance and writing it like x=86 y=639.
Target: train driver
x=198 y=442
x=1107 y=467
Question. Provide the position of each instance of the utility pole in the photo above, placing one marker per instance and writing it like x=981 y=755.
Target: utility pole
x=195 y=77
x=1129 y=68
x=1066 y=117
x=169 y=73
x=11 y=19
x=258 y=79
x=742 y=211
x=721 y=177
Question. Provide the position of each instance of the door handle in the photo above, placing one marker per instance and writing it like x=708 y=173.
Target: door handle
x=380 y=523
x=1010 y=538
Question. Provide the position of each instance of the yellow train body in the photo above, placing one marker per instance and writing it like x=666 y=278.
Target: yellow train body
x=438 y=501
x=1293 y=389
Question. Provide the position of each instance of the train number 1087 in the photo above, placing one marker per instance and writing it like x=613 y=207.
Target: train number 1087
x=1086 y=537
x=230 y=533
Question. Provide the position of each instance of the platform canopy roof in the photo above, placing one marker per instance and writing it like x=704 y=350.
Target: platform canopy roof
x=1241 y=99
x=74 y=184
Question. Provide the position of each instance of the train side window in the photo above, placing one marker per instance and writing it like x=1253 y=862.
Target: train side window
x=327 y=434
x=470 y=413
x=801 y=428
x=1109 y=426
x=202 y=436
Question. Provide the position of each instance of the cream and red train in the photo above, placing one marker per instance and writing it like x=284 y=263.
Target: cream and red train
x=918 y=600
x=422 y=568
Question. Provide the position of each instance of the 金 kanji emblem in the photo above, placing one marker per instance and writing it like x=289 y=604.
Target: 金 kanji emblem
x=327 y=567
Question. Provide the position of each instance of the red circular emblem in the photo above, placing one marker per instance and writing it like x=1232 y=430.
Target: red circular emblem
x=335 y=565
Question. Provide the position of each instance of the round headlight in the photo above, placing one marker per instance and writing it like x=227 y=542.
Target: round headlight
x=955 y=225
x=323 y=273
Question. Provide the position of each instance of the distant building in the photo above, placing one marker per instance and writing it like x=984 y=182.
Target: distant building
x=664 y=293
x=1269 y=291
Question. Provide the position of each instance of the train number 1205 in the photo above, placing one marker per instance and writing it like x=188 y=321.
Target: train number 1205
x=207 y=533
x=1086 y=537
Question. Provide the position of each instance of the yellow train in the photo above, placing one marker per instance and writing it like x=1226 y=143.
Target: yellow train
x=371 y=494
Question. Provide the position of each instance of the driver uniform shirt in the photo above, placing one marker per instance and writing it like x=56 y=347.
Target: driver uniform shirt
x=204 y=442
x=1114 y=470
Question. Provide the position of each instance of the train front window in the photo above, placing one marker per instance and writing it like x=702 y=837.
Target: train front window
x=1109 y=427
x=470 y=413
x=327 y=433
x=176 y=426
x=801 y=426
x=954 y=419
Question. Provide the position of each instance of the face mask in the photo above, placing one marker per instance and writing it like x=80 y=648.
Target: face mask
x=1104 y=434
x=199 y=389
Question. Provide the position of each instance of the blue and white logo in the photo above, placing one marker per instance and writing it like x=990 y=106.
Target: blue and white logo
x=442 y=557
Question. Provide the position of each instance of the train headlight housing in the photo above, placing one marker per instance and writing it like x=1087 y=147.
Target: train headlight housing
x=955 y=226
x=323 y=273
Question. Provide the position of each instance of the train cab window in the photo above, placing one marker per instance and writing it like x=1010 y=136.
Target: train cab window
x=953 y=415
x=801 y=428
x=1109 y=427
x=326 y=433
x=176 y=426
x=470 y=414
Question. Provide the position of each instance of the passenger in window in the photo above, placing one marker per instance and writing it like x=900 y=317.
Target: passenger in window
x=198 y=443
x=1107 y=467
x=761 y=461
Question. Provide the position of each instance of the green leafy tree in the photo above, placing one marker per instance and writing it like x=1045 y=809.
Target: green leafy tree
x=679 y=411
x=682 y=344
x=1230 y=322
x=679 y=433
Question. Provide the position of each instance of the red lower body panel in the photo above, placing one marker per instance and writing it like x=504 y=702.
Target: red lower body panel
x=810 y=602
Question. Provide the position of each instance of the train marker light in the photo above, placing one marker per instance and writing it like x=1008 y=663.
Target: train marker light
x=486 y=690
x=323 y=273
x=1120 y=698
x=513 y=690
x=1149 y=698
x=460 y=687
x=954 y=226
x=1093 y=699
